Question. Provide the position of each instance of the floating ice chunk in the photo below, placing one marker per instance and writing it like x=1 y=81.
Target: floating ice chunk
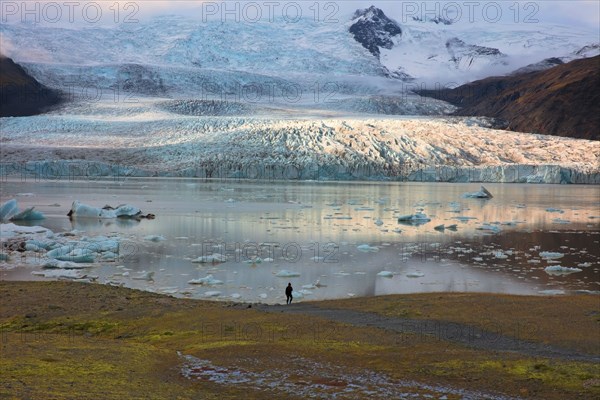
x=8 y=209
x=58 y=273
x=386 y=274
x=305 y=292
x=212 y=293
x=297 y=295
x=365 y=248
x=207 y=280
x=145 y=276
x=10 y=230
x=552 y=292
x=490 y=228
x=213 y=258
x=585 y=265
x=57 y=264
x=551 y=255
x=478 y=259
x=561 y=221
x=483 y=193
x=235 y=296
x=500 y=255
x=555 y=210
x=462 y=218
x=284 y=273
x=559 y=270
x=28 y=214
x=378 y=222
x=154 y=238
x=263 y=295
x=79 y=210
x=415 y=274
x=414 y=219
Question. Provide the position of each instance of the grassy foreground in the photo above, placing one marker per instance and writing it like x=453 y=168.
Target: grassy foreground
x=64 y=340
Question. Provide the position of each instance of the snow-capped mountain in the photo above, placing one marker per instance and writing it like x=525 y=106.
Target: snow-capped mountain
x=437 y=51
x=366 y=54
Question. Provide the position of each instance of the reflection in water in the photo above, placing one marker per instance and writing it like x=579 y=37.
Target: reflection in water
x=316 y=229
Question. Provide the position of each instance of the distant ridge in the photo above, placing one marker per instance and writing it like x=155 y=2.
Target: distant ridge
x=562 y=101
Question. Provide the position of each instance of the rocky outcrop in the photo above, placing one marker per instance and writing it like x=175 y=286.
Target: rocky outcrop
x=22 y=95
x=374 y=30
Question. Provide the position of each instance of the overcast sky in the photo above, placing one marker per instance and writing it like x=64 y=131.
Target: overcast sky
x=576 y=13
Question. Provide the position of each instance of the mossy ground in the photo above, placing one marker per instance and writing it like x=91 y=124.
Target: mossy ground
x=62 y=340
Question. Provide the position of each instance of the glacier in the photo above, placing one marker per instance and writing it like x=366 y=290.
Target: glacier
x=177 y=97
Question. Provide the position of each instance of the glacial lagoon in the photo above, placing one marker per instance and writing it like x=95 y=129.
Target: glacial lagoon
x=329 y=239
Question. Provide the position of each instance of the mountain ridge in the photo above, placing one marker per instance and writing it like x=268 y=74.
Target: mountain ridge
x=562 y=101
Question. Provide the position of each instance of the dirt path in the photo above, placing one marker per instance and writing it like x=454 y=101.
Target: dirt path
x=429 y=329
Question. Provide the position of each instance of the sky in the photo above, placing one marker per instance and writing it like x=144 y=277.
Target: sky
x=577 y=13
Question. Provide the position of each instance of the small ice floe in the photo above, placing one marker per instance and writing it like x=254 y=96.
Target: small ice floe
x=284 y=273
x=386 y=274
x=212 y=293
x=483 y=193
x=305 y=292
x=297 y=295
x=213 y=258
x=316 y=284
x=235 y=296
x=551 y=255
x=378 y=222
x=79 y=210
x=552 y=292
x=397 y=230
x=585 y=265
x=365 y=248
x=415 y=274
x=57 y=264
x=208 y=280
x=418 y=218
x=559 y=270
x=81 y=254
x=154 y=238
x=442 y=228
x=561 y=221
x=9 y=211
x=555 y=210
x=144 y=276
x=462 y=218
x=500 y=255
x=58 y=273
x=489 y=228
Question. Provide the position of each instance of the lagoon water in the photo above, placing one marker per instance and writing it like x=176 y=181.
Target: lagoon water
x=342 y=234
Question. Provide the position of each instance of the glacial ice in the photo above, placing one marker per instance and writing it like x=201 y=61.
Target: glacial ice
x=551 y=254
x=208 y=280
x=9 y=211
x=213 y=258
x=418 y=218
x=284 y=273
x=79 y=210
x=559 y=270
x=483 y=193
x=386 y=274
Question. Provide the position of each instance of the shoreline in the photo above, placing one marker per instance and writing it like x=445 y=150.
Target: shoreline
x=127 y=343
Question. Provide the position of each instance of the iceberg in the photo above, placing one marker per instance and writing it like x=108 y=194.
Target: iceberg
x=551 y=255
x=418 y=218
x=80 y=210
x=559 y=270
x=284 y=273
x=365 y=248
x=483 y=193
x=415 y=275
x=386 y=274
x=213 y=258
x=207 y=280
x=9 y=211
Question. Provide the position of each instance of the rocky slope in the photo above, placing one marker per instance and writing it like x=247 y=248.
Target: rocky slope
x=21 y=94
x=562 y=101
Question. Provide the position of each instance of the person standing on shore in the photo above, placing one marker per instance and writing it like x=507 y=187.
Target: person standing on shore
x=288 y=293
